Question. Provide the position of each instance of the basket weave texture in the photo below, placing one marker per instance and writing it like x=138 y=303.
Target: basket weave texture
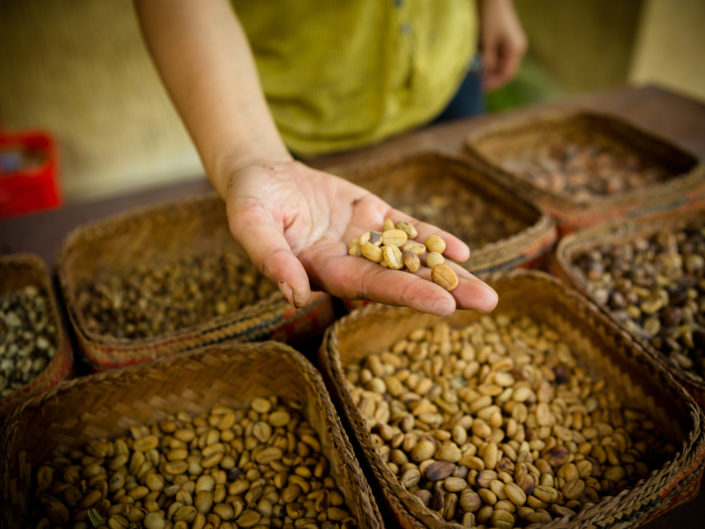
x=683 y=190
x=604 y=349
x=18 y=271
x=107 y=404
x=159 y=235
x=410 y=182
x=620 y=232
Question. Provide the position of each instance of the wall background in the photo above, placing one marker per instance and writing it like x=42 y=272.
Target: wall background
x=670 y=46
x=79 y=69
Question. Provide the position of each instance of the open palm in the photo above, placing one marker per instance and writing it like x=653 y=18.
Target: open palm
x=294 y=222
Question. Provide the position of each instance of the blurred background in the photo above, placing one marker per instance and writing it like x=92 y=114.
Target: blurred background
x=79 y=69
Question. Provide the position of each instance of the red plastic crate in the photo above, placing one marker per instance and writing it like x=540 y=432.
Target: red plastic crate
x=28 y=173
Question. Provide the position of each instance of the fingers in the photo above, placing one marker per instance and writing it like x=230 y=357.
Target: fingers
x=512 y=54
x=346 y=276
x=492 y=76
x=471 y=292
x=502 y=59
x=356 y=278
x=506 y=64
x=489 y=49
x=250 y=225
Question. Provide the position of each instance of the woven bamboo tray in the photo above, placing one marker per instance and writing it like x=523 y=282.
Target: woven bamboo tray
x=603 y=347
x=162 y=234
x=521 y=234
x=621 y=232
x=683 y=189
x=18 y=271
x=107 y=404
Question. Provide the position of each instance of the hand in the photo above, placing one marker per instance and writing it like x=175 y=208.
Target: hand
x=295 y=222
x=502 y=42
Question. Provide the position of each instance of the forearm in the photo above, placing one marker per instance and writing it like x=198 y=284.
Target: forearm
x=203 y=56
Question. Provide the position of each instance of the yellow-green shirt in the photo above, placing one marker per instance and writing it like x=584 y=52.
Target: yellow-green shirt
x=340 y=74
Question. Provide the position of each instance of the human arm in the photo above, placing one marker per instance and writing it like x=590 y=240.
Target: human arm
x=293 y=221
x=503 y=42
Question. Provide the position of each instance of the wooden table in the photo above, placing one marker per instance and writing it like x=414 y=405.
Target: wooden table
x=673 y=116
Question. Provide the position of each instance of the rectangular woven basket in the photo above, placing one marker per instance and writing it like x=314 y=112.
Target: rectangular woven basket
x=683 y=189
x=602 y=347
x=410 y=183
x=162 y=234
x=619 y=232
x=108 y=404
x=18 y=271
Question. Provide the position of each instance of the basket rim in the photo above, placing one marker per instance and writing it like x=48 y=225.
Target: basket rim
x=474 y=176
x=693 y=445
x=271 y=303
x=623 y=230
x=303 y=369
x=58 y=366
x=677 y=183
x=163 y=362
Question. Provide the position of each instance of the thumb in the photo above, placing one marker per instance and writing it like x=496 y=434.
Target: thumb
x=254 y=228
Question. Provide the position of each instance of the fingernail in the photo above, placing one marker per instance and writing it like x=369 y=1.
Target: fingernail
x=287 y=292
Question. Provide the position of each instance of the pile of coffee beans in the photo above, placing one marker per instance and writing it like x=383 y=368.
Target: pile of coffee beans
x=584 y=170
x=152 y=300
x=497 y=424
x=28 y=337
x=260 y=466
x=395 y=248
x=655 y=285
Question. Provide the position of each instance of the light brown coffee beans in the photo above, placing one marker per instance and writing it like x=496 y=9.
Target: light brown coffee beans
x=395 y=248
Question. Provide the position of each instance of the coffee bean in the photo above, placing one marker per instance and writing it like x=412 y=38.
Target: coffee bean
x=394 y=237
x=444 y=276
x=438 y=470
x=409 y=229
x=433 y=259
x=435 y=244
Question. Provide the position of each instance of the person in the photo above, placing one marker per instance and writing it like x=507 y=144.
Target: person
x=335 y=76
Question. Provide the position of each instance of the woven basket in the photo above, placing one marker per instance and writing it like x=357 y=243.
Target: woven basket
x=621 y=232
x=18 y=271
x=107 y=404
x=159 y=235
x=684 y=189
x=603 y=348
x=410 y=182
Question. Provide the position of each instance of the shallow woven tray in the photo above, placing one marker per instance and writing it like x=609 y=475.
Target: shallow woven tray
x=162 y=234
x=605 y=350
x=18 y=271
x=412 y=180
x=107 y=404
x=622 y=232
x=685 y=188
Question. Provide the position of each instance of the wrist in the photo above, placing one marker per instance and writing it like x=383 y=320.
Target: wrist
x=225 y=168
x=489 y=7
